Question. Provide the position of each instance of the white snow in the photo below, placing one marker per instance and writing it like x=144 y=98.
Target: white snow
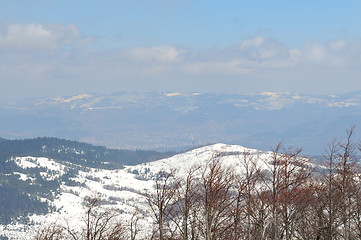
x=119 y=189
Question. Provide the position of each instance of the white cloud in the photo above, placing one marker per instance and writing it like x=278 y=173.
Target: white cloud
x=215 y=67
x=39 y=36
x=337 y=45
x=261 y=49
x=54 y=57
x=337 y=54
x=314 y=53
x=255 y=42
x=159 y=53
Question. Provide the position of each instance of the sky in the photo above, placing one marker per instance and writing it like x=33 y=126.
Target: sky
x=67 y=47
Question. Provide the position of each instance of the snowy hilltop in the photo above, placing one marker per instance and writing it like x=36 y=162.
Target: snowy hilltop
x=217 y=191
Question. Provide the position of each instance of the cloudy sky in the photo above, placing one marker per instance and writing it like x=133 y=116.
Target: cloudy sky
x=65 y=47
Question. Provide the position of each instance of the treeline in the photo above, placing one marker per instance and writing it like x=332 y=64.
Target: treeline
x=77 y=152
x=282 y=197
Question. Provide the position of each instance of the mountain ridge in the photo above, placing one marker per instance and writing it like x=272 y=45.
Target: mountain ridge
x=74 y=150
x=177 y=121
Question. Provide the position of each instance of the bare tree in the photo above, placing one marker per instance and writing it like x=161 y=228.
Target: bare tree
x=294 y=176
x=272 y=181
x=286 y=179
x=347 y=174
x=185 y=203
x=336 y=191
x=134 y=223
x=329 y=193
x=53 y=231
x=310 y=212
x=99 y=224
x=357 y=204
x=216 y=199
x=246 y=190
x=161 y=201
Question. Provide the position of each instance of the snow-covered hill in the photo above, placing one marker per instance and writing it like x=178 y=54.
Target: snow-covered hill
x=120 y=189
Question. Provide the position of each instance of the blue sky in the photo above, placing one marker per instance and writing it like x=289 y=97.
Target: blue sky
x=68 y=47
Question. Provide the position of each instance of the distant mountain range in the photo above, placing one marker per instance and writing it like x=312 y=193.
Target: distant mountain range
x=174 y=121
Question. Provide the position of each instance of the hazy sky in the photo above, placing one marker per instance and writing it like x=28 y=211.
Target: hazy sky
x=64 y=47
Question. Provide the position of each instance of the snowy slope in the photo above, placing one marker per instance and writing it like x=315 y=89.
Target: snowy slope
x=230 y=155
x=120 y=189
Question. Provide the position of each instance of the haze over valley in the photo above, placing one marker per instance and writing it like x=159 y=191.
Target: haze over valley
x=177 y=121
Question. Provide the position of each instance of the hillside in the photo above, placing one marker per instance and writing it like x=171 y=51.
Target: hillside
x=22 y=188
x=234 y=187
x=61 y=187
x=67 y=186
